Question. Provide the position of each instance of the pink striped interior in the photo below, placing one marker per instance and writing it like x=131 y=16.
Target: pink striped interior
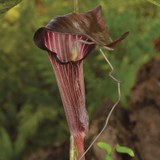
x=61 y=44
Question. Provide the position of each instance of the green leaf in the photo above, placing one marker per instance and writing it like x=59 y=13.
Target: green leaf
x=6 y=150
x=105 y=146
x=156 y=2
x=6 y=5
x=108 y=158
x=122 y=149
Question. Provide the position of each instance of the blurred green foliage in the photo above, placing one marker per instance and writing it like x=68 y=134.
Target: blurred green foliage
x=6 y=5
x=31 y=111
x=156 y=2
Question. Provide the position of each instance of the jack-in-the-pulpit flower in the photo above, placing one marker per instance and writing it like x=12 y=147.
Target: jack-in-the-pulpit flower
x=68 y=40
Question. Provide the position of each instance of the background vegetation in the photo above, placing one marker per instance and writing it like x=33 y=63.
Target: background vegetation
x=31 y=112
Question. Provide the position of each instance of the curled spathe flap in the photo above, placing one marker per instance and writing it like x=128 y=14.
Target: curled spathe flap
x=90 y=25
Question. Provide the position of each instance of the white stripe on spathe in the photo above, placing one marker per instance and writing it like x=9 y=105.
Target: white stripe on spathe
x=49 y=41
x=59 y=45
x=54 y=42
x=64 y=47
x=70 y=46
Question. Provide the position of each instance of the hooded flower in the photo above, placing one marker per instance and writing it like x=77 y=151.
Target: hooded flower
x=68 y=40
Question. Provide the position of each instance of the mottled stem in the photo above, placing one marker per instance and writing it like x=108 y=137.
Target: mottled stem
x=73 y=149
x=75 y=6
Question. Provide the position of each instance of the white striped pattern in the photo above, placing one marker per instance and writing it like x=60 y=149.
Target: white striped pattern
x=61 y=44
x=70 y=81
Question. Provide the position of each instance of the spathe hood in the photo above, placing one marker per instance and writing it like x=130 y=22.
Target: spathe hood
x=89 y=24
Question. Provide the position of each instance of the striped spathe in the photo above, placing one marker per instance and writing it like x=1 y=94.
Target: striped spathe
x=70 y=81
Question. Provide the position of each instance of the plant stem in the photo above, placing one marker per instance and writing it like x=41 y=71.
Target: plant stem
x=73 y=149
x=75 y=6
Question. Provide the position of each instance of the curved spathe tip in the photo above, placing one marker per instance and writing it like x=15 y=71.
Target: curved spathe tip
x=90 y=25
x=118 y=41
